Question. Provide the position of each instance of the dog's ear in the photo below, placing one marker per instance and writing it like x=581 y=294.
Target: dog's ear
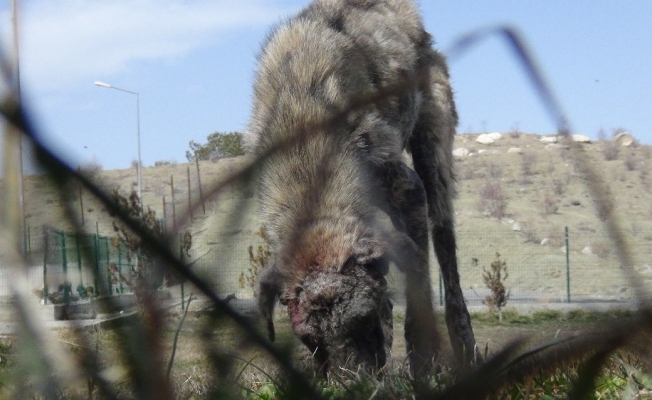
x=370 y=252
x=368 y=249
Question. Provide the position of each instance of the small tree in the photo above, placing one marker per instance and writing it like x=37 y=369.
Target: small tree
x=218 y=145
x=257 y=261
x=494 y=278
x=492 y=199
x=144 y=275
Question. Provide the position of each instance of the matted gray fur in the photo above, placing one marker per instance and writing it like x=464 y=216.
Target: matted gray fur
x=340 y=202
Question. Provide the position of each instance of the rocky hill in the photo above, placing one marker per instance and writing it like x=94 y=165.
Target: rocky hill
x=517 y=193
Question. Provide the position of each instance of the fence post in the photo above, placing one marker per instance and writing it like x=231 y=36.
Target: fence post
x=182 y=260
x=201 y=194
x=79 y=260
x=189 y=195
x=96 y=272
x=174 y=212
x=108 y=262
x=28 y=241
x=120 y=269
x=568 y=296
x=64 y=265
x=45 y=266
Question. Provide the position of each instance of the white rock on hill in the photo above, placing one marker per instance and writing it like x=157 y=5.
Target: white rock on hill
x=461 y=152
x=484 y=139
x=624 y=139
x=549 y=139
x=516 y=150
x=581 y=139
x=495 y=135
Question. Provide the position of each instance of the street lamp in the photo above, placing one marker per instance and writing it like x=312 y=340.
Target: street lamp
x=106 y=85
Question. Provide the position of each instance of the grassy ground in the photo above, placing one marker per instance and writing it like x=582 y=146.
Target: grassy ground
x=254 y=375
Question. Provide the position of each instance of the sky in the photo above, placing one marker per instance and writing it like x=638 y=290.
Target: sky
x=192 y=62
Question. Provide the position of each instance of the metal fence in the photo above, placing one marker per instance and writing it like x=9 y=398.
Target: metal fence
x=65 y=266
x=551 y=269
x=564 y=267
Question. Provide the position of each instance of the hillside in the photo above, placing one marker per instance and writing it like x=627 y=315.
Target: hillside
x=514 y=193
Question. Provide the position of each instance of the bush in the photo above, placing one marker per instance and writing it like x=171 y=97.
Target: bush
x=145 y=275
x=630 y=161
x=549 y=204
x=258 y=260
x=495 y=171
x=528 y=162
x=610 y=150
x=465 y=172
x=91 y=169
x=218 y=145
x=161 y=163
x=644 y=176
x=493 y=279
x=558 y=186
x=530 y=231
x=492 y=199
x=600 y=249
x=556 y=236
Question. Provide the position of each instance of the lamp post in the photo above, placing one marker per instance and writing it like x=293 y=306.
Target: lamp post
x=106 y=85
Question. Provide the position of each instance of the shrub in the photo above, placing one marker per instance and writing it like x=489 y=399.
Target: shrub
x=161 y=163
x=145 y=275
x=218 y=145
x=493 y=279
x=90 y=168
x=600 y=249
x=257 y=261
x=552 y=164
x=558 y=186
x=549 y=204
x=528 y=163
x=495 y=171
x=465 y=172
x=492 y=199
x=556 y=236
x=531 y=234
x=610 y=150
x=644 y=176
x=630 y=161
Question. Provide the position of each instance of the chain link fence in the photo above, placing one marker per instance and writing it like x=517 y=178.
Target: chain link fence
x=567 y=266
x=65 y=266
x=553 y=269
x=581 y=266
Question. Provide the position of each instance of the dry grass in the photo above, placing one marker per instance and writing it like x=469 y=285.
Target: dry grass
x=254 y=373
x=45 y=209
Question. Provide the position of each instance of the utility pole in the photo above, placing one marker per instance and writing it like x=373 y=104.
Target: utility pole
x=13 y=208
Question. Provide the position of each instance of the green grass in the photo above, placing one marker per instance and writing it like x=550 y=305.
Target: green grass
x=257 y=378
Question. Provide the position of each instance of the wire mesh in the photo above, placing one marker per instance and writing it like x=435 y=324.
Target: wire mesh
x=538 y=271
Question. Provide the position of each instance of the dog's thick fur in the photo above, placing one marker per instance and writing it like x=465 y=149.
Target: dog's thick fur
x=340 y=202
